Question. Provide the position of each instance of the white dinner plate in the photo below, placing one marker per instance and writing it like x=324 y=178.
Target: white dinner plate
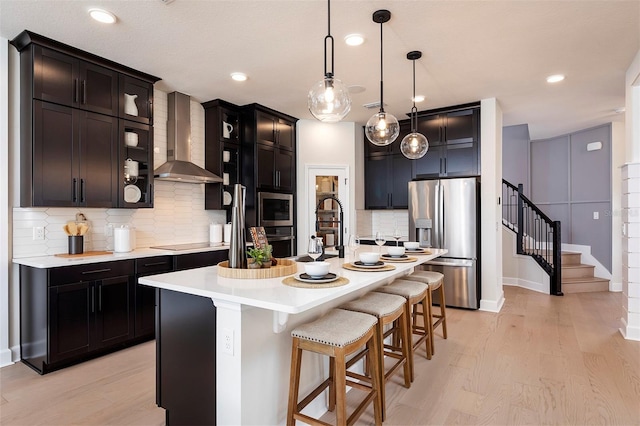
x=306 y=278
x=388 y=256
x=227 y=198
x=415 y=251
x=132 y=194
x=376 y=265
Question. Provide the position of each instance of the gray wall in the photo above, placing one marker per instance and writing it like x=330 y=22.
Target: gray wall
x=515 y=155
x=572 y=184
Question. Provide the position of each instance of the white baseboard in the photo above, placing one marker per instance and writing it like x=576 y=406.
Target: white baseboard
x=617 y=287
x=6 y=357
x=529 y=285
x=629 y=332
x=492 y=305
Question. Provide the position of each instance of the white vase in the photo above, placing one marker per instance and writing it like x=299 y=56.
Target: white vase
x=130 y=107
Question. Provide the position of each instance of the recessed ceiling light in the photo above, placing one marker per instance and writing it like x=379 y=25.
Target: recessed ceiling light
x=555 y=78
x=354 y=39
x=418 y=98
x=238 y=76
x=102 y=15
x=355 y=88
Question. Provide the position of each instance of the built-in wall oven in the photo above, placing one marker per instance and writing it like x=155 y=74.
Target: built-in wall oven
x=275 y=215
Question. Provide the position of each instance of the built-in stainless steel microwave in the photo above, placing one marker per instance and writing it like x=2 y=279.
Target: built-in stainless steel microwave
x=275 y=209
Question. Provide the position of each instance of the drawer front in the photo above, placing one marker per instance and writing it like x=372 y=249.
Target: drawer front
x=90 y=272
x=154 y=265
x=199 y=260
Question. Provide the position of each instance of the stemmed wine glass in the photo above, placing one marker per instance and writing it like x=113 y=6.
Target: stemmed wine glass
x=354 y=244
x=397 y=235
x=315 y=248
x=380 y=240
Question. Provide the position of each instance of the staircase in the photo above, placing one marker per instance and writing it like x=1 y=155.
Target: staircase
x=578 y=277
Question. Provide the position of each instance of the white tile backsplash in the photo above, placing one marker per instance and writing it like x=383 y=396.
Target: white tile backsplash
x=178 y=215
x=371 y=221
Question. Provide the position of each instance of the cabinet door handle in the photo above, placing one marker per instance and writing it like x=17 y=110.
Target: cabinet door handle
x=74 y=194
x=96 y=271
x=441 y=166
x=84 y=92
x=82 y=194
x=445 y=165
x=153 y=264
x=75 y=90
x=151 y=194
x=93 y=299
x=150 y=111
x=100 y=298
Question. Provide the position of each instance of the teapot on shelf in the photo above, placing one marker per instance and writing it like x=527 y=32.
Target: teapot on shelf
x=130 y=107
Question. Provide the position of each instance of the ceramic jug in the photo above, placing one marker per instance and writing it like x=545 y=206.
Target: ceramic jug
x=130 y=107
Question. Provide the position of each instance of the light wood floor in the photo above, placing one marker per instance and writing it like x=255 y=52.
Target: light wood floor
x=541 y=360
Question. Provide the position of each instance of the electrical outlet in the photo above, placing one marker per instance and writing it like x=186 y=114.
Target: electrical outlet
x=227 y=341
x=38 y=232
x=108 y=230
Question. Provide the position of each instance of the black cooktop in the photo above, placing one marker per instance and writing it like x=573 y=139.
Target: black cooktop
x=187 y=246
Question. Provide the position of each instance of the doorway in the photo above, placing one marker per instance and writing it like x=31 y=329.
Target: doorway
x=323 y=182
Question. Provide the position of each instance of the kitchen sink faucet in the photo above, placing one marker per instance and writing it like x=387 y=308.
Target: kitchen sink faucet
x=340 y=244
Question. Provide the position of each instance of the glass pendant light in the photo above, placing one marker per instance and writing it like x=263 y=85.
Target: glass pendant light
x=415 y=145
x=329 y=99
x=382 y=128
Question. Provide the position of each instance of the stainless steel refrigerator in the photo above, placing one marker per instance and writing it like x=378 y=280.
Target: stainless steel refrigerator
x=444 y=213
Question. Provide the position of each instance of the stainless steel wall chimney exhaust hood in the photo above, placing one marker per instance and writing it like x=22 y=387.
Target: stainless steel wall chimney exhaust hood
x=179 y=167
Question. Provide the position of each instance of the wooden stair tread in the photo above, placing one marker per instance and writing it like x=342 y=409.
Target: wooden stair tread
x=583 y=280
x=577 y=266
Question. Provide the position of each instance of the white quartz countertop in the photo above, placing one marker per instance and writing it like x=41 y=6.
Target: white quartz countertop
x=271 y=293
x=56 y=261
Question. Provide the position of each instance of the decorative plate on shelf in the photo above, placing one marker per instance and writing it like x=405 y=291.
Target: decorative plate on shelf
x=227 y=198
x=132 y=194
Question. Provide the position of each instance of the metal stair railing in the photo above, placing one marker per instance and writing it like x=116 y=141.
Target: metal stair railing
x=536 y=234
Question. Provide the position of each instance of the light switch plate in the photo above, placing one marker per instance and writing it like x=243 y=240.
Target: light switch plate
x=596 y=215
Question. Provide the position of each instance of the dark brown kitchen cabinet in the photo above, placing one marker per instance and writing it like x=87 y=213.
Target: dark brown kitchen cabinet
x=275 y=168
x=145 y=296
x=274 y=130
x=387 y=174
x=387 y=178
x=454 y=142
x=70 y=102
x=73 y=313
x=74 y=159
x=67 y=80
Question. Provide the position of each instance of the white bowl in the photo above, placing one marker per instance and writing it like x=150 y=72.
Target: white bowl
x=411 y=245
x=317 y=269
x=395 y=250
x=369 y=257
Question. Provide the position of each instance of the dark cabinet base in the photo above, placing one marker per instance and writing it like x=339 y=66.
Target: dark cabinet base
x=186 y=358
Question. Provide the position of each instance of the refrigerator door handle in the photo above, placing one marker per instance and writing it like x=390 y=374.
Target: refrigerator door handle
x=442 y=218
x=436 y=217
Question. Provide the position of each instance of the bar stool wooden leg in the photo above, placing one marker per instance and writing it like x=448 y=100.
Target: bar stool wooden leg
x=338 y=335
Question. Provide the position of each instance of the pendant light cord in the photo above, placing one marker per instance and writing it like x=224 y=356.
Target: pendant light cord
x=381 y=72
x=330 y=39
x=414 y=110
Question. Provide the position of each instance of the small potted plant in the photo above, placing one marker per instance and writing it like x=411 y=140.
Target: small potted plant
x=259 y=257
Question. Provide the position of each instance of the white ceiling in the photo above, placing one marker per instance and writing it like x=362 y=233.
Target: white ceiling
x=472 y=50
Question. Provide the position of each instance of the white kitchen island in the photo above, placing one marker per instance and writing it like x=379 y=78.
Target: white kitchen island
x=253 y=323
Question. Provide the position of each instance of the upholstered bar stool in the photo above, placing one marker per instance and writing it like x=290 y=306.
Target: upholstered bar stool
x=414 y=292
x=435 y=281
x=338 y=334
x=389 y=309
